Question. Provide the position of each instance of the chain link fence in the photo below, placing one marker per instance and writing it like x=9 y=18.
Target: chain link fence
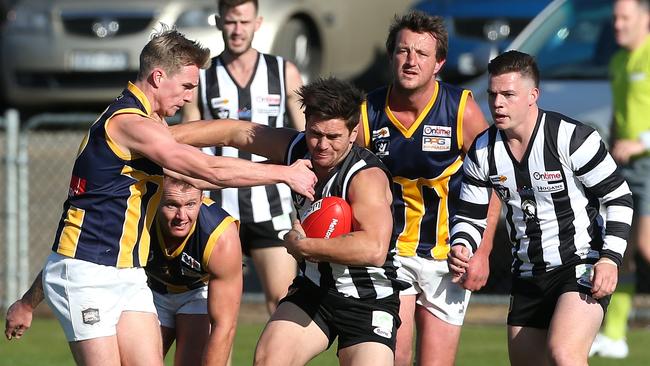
x=3 y=205
x=47 y=145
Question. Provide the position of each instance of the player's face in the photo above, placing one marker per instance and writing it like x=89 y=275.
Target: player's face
x=511 y=97
x=238 y=26
x=179 y=209
x=414 y=60
x=329 y=142
x=177 y=89
x=631 y=23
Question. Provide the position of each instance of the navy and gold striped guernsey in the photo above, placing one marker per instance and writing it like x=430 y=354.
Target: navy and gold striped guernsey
x=186 y=267
x=425 y=161
x=113 y=195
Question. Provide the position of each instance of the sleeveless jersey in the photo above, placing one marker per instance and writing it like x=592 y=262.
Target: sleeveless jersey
x=350 y=281
x=262 y=101
x=186 y=268
x=112 y=197
x=425 y=161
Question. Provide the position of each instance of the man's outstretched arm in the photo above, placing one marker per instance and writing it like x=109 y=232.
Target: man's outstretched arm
x=19 y=314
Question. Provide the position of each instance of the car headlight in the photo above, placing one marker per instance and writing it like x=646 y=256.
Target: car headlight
x=196 y=18
x=28 y=20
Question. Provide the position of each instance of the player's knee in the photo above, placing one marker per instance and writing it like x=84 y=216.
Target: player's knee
x=565 y=356
x=262 y=356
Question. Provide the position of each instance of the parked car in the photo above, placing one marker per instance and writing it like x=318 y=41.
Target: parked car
x=83 y=51
x=572 y=42
x=478 y=30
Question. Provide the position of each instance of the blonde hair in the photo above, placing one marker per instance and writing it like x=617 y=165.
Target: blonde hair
x=184 y=186
x=170 y=50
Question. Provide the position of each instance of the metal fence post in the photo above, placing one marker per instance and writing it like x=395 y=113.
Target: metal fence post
x=23 y=213
x=12 y=124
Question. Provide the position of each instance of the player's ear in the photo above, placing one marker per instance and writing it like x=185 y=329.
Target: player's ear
x=156 y=76
x=438 y=66
x=218 y=19
x=354 y=133
x=533 y=95
x=258 y=22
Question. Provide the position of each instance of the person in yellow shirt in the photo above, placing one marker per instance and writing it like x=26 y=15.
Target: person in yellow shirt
x=630 y=80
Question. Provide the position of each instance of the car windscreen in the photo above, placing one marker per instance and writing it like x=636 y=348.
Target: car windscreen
x=574 y=42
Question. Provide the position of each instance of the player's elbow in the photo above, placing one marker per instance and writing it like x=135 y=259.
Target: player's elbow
x=377 y=255
x=221 y=177
x=225 y=329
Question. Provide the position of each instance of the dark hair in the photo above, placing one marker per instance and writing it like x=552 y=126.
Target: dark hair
x=330 y=98
x=420 y=22
x=515 y=61
x=170 y=50
x=224 y=5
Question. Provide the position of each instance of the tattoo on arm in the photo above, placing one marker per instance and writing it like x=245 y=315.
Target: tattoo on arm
x=300 y=236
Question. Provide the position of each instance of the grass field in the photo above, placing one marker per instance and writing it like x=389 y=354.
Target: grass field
x=480 y=345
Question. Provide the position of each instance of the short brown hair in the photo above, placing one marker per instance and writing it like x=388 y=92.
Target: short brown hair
x=184 y=186
x=515 y=61
x=170 y=50
x=330 y=98
x=420 y=22
x=224 y=5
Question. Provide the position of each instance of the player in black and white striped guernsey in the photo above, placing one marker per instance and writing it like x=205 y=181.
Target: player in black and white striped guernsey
x=348 y=287
x=551 y=173
x=247 y=85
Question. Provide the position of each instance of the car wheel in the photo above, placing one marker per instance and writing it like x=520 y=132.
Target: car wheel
x=299 y=42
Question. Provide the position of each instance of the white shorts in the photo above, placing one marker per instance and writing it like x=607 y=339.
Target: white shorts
x=431 y=281
x=88 y=298
x=188 y=302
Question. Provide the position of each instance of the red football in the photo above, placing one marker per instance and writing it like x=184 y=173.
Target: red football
x=327 y=218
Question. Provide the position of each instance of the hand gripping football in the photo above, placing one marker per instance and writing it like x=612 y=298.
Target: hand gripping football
x=327 y=218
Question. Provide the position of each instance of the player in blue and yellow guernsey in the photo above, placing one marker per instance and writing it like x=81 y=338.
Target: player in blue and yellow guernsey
x=421 y=128
x=194 y=270
x=94 y=281
x=195 y=273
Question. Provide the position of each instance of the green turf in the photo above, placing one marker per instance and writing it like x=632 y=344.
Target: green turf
x=44 y=344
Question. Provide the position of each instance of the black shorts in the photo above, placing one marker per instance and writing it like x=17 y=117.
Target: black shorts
x=533 y=300
x=258 y=235
x=353 y=320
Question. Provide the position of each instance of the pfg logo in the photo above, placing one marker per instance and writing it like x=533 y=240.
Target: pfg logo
x=435 y=140
x=548 y=176
x=433 y=143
